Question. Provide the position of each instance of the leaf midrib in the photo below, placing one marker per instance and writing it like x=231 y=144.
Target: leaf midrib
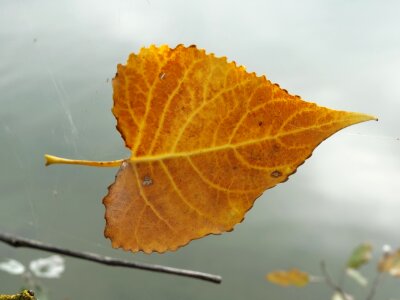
x=185 y=154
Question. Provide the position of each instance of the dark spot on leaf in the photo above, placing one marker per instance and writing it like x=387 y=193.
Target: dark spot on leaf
x=276 y=147
x=147 y=181
x=260 y=123
x=276 y=174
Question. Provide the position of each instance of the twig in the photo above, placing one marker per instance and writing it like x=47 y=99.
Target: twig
x=374 y=286
x=330 y=282
x=16 y=241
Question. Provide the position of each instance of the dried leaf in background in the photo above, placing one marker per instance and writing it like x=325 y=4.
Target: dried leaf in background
x=286 y=278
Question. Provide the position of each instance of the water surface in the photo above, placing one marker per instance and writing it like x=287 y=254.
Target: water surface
x=57 y=62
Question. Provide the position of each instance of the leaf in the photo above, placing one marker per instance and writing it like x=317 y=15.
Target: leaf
x=390 y=263
x=339 y=296
x=12 y=266
x=24 y=295
x=207 y=139
x=357 y=276
x=50 y=267
x=286 y=278
x=360 y=256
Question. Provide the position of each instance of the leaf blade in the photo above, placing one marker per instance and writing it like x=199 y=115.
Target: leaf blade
x=361 y=255
x=390 y=263
x=200 y=126
x=293 y=277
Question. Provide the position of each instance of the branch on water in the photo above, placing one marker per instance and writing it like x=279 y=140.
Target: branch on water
x=16 y=241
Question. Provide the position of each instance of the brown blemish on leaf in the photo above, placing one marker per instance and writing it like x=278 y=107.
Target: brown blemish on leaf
x=147 y=181
x=276 y=174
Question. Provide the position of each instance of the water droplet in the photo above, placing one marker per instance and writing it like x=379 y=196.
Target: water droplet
x=162 y=76
x=147 y=181
x=276 y=174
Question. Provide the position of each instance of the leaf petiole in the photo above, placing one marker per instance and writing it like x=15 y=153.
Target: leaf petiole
x=51 y=159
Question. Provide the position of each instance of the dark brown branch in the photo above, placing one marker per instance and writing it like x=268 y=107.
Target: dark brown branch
x=16 y=241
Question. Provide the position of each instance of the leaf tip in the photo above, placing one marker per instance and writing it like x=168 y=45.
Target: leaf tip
x=357 y=117
x=369 y=118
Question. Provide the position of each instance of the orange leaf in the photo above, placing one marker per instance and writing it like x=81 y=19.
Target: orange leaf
x=292 y=277
x=207 y=138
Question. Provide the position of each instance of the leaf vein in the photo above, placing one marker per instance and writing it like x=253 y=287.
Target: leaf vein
x=181 y=196
x=148 y=203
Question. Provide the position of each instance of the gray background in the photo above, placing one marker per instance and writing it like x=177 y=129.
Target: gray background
x=57 y=59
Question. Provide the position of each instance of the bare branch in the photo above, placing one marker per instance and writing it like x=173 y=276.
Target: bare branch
x=16 y=241
x=330 y=282
x=374 y=286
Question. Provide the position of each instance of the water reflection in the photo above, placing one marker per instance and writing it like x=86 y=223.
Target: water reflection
x=57 y=59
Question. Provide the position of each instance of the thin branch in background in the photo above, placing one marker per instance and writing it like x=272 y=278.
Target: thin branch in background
x=374 y=286
x=330 y=282
x=16 y=241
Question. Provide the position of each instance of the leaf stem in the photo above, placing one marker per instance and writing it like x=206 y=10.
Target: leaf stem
x=330 y=282
x=51 y=159
x=374 y=286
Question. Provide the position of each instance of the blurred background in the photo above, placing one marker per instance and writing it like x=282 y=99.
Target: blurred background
x=57 y=59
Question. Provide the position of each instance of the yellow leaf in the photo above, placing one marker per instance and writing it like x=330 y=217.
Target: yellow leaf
x=207 y=139
x=24 y=295
x=286 y=278
x=390 y=263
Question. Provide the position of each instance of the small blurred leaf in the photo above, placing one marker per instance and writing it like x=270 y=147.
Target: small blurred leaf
x=286 y=278
x=390 y=263
x=338 y=296
x=357 y=276
x=50 y=267
x=12 y=266
x=360 y=256
x=24 y=295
